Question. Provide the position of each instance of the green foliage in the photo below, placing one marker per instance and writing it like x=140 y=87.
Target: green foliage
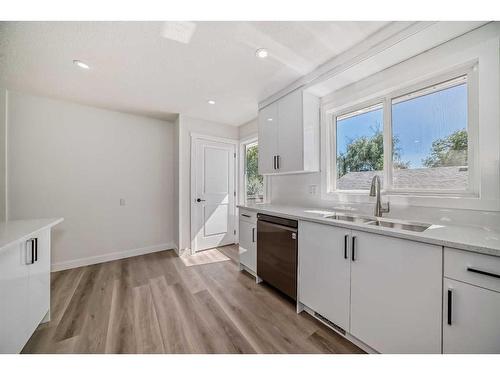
x=367 y=154
x=255 y=182
x=450 y=151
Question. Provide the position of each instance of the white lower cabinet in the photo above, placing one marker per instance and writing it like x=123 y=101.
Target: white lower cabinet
x=385 y=292
x=14 y=289
x=24 y=290
x=324 y=271
x=396 y=294
x=248 y=241
x=39 y=281
x=471 y=303
x=472 y=325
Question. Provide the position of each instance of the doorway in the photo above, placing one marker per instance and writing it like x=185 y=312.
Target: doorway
x=213 y=192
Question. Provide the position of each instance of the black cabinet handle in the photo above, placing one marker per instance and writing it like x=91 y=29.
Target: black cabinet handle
x=245 y=215
x=449 y=305
x=277 y=162
x=36 y=249
x=345 y=245
x=353 y=258
x=200 y=200
x=470 y=269
x=274 y=162
x=253 y=234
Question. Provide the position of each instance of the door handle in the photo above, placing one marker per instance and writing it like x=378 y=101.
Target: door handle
x=353 y=258
x=346 y=237
x=30 y=251
x=253 y=234
x=200 y=200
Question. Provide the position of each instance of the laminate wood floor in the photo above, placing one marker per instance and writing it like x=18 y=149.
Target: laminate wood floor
x=157 y=303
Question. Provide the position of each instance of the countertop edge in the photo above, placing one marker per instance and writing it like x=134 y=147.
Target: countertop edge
x=418 y=237
x=30 y=233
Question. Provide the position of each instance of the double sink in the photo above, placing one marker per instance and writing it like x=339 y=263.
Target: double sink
x=401 y=225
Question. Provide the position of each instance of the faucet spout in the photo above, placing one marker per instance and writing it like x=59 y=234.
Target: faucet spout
x=375 y=191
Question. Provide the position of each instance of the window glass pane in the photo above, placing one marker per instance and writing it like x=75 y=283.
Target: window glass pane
x=430 y=138
x=360 y=148
x=254 y=183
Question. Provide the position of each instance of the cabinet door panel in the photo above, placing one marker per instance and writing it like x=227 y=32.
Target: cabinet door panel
x=290 y=132
x=396 y=294
x=39 y=282
x=268 y=138
x=248 y=245
x=14 y=289
x=324 y=272
x=474 y=317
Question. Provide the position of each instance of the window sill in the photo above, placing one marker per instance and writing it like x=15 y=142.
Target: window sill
x=427 y=199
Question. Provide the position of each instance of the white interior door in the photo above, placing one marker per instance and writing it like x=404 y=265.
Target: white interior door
x=212 y=194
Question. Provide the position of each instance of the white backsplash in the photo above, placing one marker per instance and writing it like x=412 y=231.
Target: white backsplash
x=295 y=190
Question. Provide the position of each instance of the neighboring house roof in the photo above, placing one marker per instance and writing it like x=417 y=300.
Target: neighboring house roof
x=419 y=178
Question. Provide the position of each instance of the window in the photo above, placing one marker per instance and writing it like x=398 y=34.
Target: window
x=360 y=147
x=416 y=140
x=429 y=137
x=254 y=183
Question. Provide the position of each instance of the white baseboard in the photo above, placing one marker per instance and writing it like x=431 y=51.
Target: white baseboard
x=110 y=256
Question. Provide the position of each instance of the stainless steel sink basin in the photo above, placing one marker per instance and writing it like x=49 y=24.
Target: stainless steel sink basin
x=350 y=218
x=413 y=227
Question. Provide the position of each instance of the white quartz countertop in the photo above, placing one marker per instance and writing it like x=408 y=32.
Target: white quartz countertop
x=469 y=238
x=19 y=230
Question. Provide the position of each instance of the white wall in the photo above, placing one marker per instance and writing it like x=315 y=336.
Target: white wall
x=76 y=162
x=249 y=129
x=188 y=125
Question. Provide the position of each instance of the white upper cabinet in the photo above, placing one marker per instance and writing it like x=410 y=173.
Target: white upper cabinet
x=268 y=138
x=289 y=134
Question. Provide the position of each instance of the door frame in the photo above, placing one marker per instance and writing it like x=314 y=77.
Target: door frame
x=196 y=137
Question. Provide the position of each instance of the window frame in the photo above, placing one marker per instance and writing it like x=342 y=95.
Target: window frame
x=244 y=143
x=473 y=187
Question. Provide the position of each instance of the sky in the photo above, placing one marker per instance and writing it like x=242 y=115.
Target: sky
x=416 y=123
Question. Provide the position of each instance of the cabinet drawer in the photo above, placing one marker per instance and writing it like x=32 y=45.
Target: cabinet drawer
x=248 y=216
x=477 y=269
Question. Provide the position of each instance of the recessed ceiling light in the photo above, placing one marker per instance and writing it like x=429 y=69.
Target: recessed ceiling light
x=211 y=102
x=270 y=119
x=261 y=53
x=81 y=64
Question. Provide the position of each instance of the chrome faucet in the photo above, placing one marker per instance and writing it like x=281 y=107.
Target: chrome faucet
x=375 y=191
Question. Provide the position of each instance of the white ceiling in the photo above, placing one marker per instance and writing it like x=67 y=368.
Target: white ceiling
x=135 y=69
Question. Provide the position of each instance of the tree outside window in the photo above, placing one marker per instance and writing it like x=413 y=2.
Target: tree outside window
x=254 y=183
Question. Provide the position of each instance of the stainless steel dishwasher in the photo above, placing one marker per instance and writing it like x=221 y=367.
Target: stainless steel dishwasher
x=277 y=253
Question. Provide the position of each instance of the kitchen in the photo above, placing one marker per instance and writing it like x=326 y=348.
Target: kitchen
x=281 y=197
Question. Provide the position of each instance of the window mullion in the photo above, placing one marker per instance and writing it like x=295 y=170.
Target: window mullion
x=387 y=117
